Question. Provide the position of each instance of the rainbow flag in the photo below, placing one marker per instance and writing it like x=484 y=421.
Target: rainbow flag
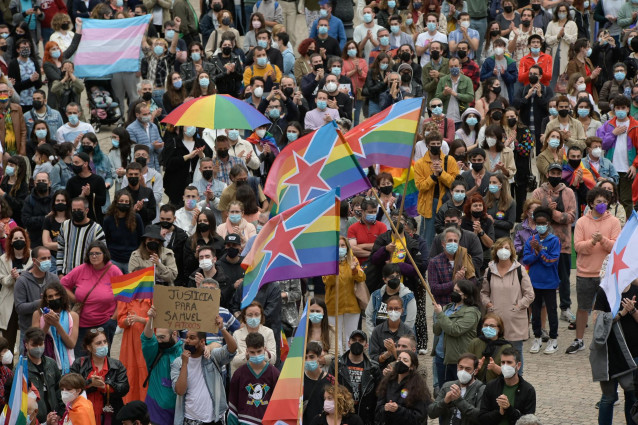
x=134 y=286
x=302 y=241
x=286 y=403
x=386 y=138
x=313 y=165
x=399 y=176
x=15 y=411
x=569 y=173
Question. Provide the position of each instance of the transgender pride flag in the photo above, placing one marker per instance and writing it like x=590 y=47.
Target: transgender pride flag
x=110 y=45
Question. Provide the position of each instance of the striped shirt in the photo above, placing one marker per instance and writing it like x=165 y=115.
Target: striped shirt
x=73 y=242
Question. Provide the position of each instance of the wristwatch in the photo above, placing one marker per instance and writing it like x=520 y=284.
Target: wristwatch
x=480 y=235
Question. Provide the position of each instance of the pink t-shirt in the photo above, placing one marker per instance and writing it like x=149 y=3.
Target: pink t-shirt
x=100 y=305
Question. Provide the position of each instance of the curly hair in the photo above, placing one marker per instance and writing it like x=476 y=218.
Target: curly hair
x=474 y=199
x=304 y=45
x=342 y=398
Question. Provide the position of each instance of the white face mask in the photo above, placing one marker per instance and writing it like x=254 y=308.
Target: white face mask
x=581 y=87
x=498 y=51
x=261 y=133
x=503 y=254
x=7 y=358
x=508 y=371
x=464 y=377
x=68 y=396
x=258 y=92
x=465 y=24
x=330 y=87
x=597 y=152
x=206 y=264
x=394 y=315
x=491 y=141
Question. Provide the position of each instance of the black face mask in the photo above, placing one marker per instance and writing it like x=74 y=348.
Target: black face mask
x=508 y=9
x=222 y=153
x=477 y=214
x=318 y=67
x=394 y=283
x=563 y=112
x=165 y=224
x=4 y=48
x=511 y=122
x=536 y=7
x=494 y=33
x=191 y=348
x=207 y=174
x=146 y=96
x=497 y=116
x=496 y=90
x=41 y=187
x=459 y=157
x=19 y=244
x=435 y=54
x=59 y=207
x=574 y=163
x=477 y=166
x=462 y=54
x=240 y=183
x=406 y=78
x=226 y=51
x=166 y=345
x=288 y=91
x=203 y=227
x=65 y=26
x=124 y=207
x=554 y=181
x=141 y=160
x=406 y=57
x=232 y=252
x=356 y=348
x=77 y=169
x=533 y=78
x=217 y=7
x=526 y=23
x=226 y=21
x=152 y=246
x=310 y=52
x=435 y=150
x=455 y=297
x=399 y=226
x=77 y=216
x=55 y=304
x=401 y=367
x=87 y=148
x=386 y=190
x=133 y=181
x=37 y=104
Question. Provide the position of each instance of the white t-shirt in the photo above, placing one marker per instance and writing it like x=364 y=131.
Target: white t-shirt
x=424 y=39
x=66 y=133
x=199 y=405
x=620 y=160
x=453 y=105
x=360 y=33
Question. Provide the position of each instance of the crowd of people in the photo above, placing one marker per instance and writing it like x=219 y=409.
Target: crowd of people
x=525 y=157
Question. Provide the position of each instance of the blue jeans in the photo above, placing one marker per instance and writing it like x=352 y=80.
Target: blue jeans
x=608 y=388
x=358 y=104
x=239 y=20
x=481 y=26
x=564 y=270
x=109 y=329
x=122 y=266
x=373 y=108
x=519 y=347
x=438 y=371
x=427 y=231
x=157 y=97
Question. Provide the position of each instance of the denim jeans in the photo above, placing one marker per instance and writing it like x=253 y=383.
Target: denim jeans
x=519 y=347
x=606 y=409
x=481 y=26
x=122 y=266
x=438 y=371
x=564 y=270
x=427 y=231
x=358 y=104
x=158 y=95
x=373 y=108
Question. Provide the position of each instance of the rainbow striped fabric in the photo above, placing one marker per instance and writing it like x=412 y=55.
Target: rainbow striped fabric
x=118 y=42
x=412 y=195
x=386 y=138
x=302 y=241
x=134 y=286
x=286 y=403
x=15 y=411
x=313 y=165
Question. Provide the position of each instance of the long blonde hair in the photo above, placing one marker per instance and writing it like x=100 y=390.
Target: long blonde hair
x=348 y=257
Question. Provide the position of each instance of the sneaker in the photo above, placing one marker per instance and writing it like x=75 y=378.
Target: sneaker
x=544 y=335
x=552 y=346
x=567 y=315
x=423 y=351
x=575 y=347
x=536 y=346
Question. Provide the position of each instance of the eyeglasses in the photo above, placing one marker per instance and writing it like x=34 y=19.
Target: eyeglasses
x=96 y=330
x=95 y=254
x=436 y=106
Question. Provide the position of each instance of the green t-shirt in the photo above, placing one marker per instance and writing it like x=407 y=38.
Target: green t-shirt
x=510 y=392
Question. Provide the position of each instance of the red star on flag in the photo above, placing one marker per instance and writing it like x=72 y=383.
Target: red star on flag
x=307 y=177
x=356 y=146
x=281 y=243
x=618 y=263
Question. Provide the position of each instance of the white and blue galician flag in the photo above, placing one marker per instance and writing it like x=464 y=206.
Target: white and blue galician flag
x=622 y=266
x=109 y=46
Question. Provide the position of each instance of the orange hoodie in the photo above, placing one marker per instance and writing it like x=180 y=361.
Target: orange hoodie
x=590 y=257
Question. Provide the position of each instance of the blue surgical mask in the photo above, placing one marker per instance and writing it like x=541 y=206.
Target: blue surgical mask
x=102 y=351
x=315 y=317
x=234 y=218
x=352 y=53
x=371 y=218
x=253 y=322
x=451 y=247
x=553 y=112
x=589 y=52
x=74 y=119
x=196 y=56
x=541 y=228
x=274 y=113
x=233 y=134
x=323 y=13
x=367 y=18
x=384 y=41
x=190 y=131
x=621 y=113
x=472 y=121
x=383 y=66
x=262 y=61
x=322 y=104
x=311 y=365
x=178 y=84
x=619 y=76
x=41 y=134
x=343 y=252
x=115 y=143
x=55 y=54
x=159 y=50
x=9 y=170
x=535 y=50
x=494 y=188
x=257 y=359
x=292 y=136
x=392 y=4
x=409 y=21
x=395 y=29
x=437 y=110
x=336 y=71
x=432 y=26
x=45 y=265
x=489 y=332
x=204 y=82
x=458 y=196
x=169 y=34
x=262 y=43
x=322 y=29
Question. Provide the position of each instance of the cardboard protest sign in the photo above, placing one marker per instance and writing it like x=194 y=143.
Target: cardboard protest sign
x=186 y=308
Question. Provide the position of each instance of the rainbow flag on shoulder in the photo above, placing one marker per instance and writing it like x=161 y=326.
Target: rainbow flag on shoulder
x=400 y=175
x=386 y=138
x=134 y=286
x=286 y=403
x=15 y=411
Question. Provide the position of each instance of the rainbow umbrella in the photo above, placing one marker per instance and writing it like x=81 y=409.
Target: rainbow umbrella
x=216 y=111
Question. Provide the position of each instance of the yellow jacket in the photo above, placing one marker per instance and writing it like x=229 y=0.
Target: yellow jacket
x=425 y=183
x=254 y=71
x=348 y=303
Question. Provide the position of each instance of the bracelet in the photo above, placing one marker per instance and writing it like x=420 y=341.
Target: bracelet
x=632 y=312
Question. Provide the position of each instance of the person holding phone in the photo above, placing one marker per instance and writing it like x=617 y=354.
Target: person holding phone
x=152 y=253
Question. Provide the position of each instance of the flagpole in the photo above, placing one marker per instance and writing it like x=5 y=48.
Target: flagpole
x=407 y=177
x=303 y=367
x=396 y=232
x=336 y=360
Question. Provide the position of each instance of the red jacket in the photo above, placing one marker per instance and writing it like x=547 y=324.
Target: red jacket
x=527 y=61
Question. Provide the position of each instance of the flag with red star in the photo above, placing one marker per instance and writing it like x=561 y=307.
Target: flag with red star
x=312 y=166
x=302 y=241
x=622 y=266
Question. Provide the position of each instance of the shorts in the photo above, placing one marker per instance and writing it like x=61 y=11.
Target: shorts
x=586 y=288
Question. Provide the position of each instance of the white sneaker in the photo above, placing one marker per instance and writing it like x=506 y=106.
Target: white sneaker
x=536 y=346
x=423 y=351
x=552 y=346
x=568 y=316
